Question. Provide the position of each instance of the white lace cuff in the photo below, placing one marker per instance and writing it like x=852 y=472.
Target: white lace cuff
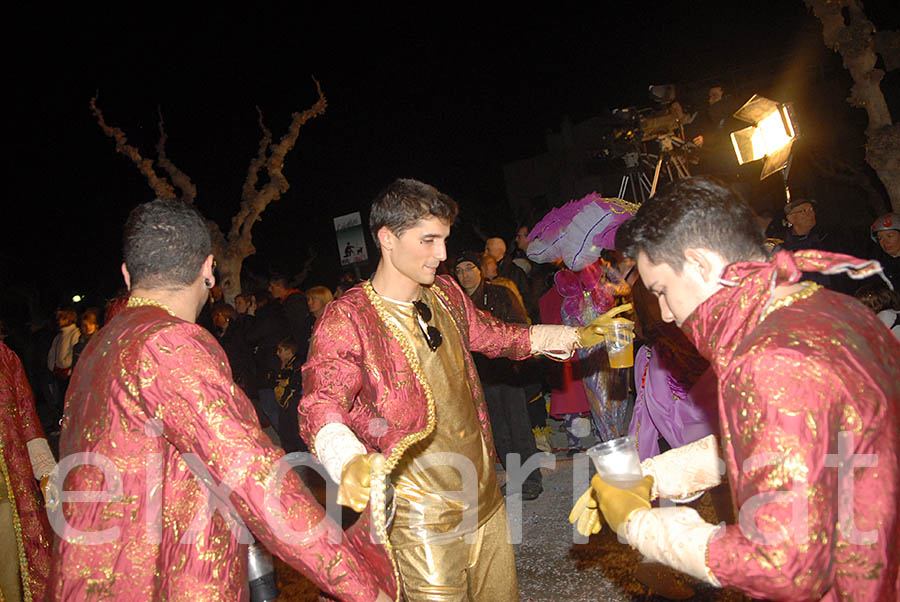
x=553 y=340
x=686 y=470
x=42 y=460
x=675 y=536
x=335 y=445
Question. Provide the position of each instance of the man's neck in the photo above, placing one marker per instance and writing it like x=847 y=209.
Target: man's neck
x=181 y=302
x=393 y=285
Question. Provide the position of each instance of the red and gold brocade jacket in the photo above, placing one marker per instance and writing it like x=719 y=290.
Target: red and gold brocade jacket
x=18 y=425
x=363 y=374
x=819 y=364
x=152 y=394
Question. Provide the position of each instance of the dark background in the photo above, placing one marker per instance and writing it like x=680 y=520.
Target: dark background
x=445 y=96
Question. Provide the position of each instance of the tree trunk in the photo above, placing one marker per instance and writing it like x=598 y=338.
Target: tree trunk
x=231 y=250
x=846 y=30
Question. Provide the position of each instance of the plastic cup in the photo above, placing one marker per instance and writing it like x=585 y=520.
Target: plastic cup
x=620 y=344
x=617 y=461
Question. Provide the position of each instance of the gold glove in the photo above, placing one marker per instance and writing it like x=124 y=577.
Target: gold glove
x=356 y=480
x=48 y=490
x=592 y=334
x=617 y=504
x=585 y=515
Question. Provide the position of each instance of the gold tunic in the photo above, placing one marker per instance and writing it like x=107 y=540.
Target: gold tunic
x=445 y=484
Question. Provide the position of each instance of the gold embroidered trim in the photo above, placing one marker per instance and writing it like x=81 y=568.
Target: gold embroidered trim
x=809 y=288
x=142 y=301
x=24 y=573
x=377 y=496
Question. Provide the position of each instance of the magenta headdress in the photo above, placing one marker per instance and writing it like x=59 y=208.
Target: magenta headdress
x=578 y=231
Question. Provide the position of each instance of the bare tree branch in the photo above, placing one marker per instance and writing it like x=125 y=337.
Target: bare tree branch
x=254 y=201
x=160 y=186
x=229 y=251
x=847 y=30
x=178 y=177
x=257 y=163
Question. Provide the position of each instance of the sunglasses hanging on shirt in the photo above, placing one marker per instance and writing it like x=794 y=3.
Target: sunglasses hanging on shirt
x=432 y=335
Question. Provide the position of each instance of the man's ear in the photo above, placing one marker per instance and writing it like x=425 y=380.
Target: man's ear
x=701 y=263
x=386 y=238
x=126 y=276
x=206 y=271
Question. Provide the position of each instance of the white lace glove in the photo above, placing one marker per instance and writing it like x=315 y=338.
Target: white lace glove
x=675 y=536
x=335 y=446
x=42 y=460
x=685 y=470
x=554 y=340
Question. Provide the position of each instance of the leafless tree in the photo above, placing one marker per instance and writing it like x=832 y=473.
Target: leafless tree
x=847 y=30
x=230 y=250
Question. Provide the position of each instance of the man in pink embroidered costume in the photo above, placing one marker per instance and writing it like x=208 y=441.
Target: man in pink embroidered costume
x=809 y=387
x=391 y=389
x=25 y=459
x=163 y=460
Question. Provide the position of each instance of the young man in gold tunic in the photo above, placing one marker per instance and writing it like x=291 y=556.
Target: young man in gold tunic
x=391 y=388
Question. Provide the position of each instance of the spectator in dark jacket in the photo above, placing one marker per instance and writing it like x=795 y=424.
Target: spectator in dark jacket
x=266 y=331
x=295 y=311
x=500 y=377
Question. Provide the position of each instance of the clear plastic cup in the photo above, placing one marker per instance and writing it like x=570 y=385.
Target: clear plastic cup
x=620 y=343
x=617 y=461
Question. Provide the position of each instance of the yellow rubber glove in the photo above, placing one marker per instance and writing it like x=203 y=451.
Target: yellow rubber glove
x=592 y=334
x=45 y=483
x=585 y=515
x=617 y=504
x=356 y=480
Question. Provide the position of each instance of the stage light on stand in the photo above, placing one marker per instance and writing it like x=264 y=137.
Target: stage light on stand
x=770 y=136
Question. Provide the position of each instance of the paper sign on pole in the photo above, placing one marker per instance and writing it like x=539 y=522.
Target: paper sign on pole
x=351 y=239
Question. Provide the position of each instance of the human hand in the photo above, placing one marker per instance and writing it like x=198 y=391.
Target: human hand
x=49 y=491
x=585 y=515
x=617 y=504
x=356 y=480
x=592 y=334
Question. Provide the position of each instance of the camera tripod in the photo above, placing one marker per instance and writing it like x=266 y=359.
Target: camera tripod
x=636 y=182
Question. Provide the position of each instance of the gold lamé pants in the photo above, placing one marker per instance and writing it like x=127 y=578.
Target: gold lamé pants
x=10 y=582
x=457 y=571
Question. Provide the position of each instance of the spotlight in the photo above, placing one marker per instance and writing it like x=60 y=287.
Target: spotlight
x=77 y=298
x=770 y=136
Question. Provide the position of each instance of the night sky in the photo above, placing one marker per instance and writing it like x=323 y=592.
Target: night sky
x=443 y=96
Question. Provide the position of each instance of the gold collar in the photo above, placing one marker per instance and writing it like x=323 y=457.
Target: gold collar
x=141 y=301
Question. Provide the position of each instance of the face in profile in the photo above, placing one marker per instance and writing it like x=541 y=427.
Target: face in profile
x=418 y=252
x=679 y=293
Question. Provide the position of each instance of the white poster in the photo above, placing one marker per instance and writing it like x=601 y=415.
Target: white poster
x=351 y=239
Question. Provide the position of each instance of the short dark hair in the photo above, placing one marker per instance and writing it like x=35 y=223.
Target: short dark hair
x=93 y=312
x=225 y=310
x=165 y=244
x=878 y=297
x=404 y=203
x=696 y=212
x=289 y=343
x=280 y=278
